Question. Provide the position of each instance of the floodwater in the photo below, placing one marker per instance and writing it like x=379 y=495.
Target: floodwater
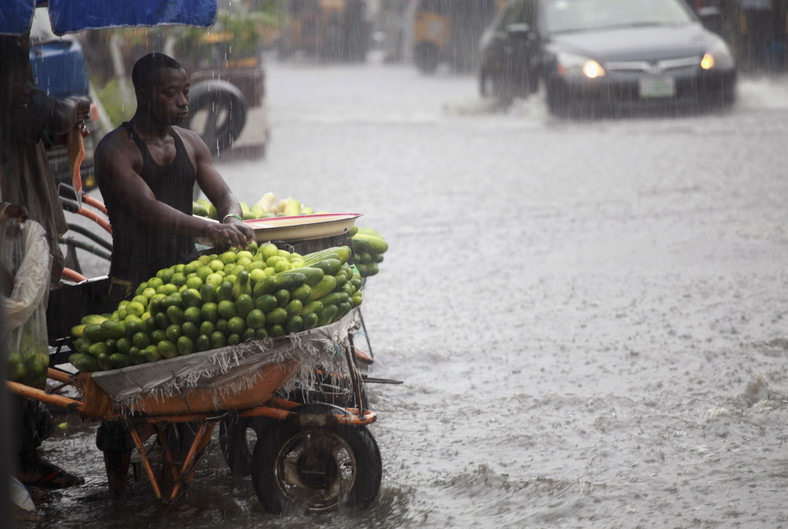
x=589 y=317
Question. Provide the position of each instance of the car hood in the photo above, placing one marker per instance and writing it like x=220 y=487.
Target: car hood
x=635 y=43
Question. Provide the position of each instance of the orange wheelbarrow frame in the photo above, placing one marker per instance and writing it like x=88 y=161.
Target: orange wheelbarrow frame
x=196 y=405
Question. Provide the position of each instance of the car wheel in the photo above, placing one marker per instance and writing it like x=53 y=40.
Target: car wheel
x=426 y=57
x=492 y=87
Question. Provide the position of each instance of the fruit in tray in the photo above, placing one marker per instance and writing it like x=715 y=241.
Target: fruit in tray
x=267 y=206
x=368 y=245
x=217 y=301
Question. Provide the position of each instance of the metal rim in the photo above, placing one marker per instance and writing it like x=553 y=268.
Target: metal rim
x=317 y=469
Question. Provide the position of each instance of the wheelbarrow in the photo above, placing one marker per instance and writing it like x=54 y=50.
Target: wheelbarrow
x=313 y=448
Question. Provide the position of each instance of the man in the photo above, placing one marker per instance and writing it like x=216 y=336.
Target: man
x=146 y=170
x=29 y=115
x=28 y=187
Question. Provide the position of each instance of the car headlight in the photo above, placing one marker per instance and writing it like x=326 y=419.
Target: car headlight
x=570 y=65
x=717 y=56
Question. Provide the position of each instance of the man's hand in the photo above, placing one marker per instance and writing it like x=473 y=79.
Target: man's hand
x=11 y=211
x=231 y=232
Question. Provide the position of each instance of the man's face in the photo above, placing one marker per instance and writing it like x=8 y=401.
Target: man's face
x=169 y=101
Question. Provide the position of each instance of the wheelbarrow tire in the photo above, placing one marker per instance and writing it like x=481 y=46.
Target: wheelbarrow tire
x=234 y=441
x=346 y=469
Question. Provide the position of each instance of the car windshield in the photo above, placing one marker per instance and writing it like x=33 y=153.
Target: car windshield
x=562 y=16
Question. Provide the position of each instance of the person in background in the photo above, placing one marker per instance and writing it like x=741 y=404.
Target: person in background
x=26 y=177
x=27 y=185
x=146 y=170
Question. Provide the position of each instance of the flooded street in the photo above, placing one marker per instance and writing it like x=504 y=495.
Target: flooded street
x=589 y=317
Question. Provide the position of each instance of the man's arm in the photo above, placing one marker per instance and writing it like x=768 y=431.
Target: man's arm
x=117 y=164
x=67 y=114
x=228 y=209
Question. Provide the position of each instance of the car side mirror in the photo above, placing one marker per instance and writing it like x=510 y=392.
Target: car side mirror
x=518 y=31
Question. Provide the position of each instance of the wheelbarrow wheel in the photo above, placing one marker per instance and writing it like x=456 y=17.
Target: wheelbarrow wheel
x=316 y=469
x=237 y=438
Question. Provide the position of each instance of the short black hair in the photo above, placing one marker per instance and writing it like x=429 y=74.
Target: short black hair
x=143 y=75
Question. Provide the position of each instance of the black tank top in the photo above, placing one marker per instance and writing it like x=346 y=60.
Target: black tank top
x=138 y=249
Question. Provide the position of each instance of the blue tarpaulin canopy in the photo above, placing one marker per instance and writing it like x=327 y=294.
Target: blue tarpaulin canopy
x=70 y=16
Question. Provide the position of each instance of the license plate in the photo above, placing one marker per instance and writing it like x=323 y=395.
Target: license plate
x=657 y=87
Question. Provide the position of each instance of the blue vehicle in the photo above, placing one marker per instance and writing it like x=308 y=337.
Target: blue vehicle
x=59 y=69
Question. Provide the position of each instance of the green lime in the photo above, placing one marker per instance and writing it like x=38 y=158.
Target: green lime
x=255 y=319
x=191 y=298
x=190 y=330
x=234 y=339
x=193 y=315
x=202 y=343
x=207 y=327
x=277 y=316
x=167 y=349
x=161 y=320
x=157 y=336
x=244 y=304
x=204 y=271
x=194 y=282
x=236 y=325
x=294 y=307
x=274 y=331
x=217 y=340
x=228 y=257
x=173 y=332
x=135 y=308
x=185 y=346
x=165 y=274
x=282 y=297
x=248 y=334
x=208 y=293
x=209 y=311
x=178 y=279
x=226 y=309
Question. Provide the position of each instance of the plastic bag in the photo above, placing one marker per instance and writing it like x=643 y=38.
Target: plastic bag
x=25 y=254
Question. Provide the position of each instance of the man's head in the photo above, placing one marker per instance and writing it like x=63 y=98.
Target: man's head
x=162 y=88
x=15 y=85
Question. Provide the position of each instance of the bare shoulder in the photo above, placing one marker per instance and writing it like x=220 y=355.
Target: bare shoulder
x=117 y=147
x=189 y=137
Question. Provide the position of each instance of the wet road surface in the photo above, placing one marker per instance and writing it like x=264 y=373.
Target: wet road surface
x=589 y=317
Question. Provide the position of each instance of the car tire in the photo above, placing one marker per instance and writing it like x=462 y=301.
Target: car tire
x=426 y=57
x=491 y=87
x=222 y=109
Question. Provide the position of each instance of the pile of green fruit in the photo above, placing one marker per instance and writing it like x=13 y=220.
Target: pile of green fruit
x=220 y=300
x=368 y=249
x=28 y=360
